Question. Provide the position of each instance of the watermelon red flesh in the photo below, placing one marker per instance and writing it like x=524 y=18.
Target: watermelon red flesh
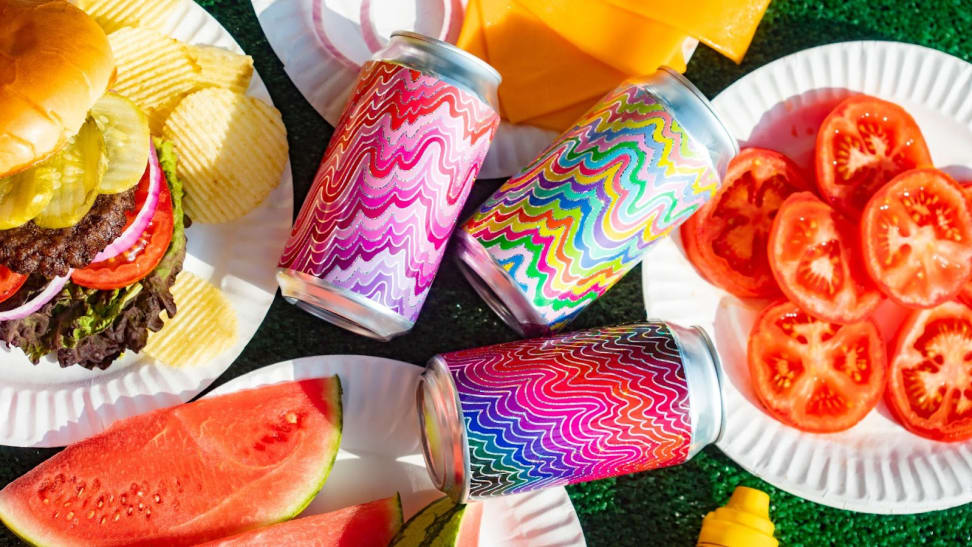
x=369 y=525
x=187 y=474
x=471 y=522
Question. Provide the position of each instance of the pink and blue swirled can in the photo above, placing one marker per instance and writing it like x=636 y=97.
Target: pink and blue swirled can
x=407 y=149
x=574 y=407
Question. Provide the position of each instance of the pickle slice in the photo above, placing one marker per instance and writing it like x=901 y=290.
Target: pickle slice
x=76 y=173
x=22 y=197
x=126 y=133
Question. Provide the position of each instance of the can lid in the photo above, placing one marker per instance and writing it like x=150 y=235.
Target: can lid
x=443 y=436
x=445 y=61
x=743 y=522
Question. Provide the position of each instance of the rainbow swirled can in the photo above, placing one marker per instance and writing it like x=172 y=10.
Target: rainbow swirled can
x=570 y=225
x=573 y=407
x=374 y=227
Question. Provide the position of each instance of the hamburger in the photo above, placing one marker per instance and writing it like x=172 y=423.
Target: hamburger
x=91 y=220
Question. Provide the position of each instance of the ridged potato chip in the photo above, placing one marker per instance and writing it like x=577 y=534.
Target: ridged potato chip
x=154 y=71
x=220 y=67
x=232 y=152
x=115 y=14
x=203 y=327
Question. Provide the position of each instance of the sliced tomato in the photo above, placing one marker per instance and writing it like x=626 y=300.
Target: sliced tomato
x=10 y=283
x=965 y=293
x=815 y=257
x=726 y=240
x=862 y=144
x=138 y=261
x=815 y=375
x=930 y=375
x=916 y=234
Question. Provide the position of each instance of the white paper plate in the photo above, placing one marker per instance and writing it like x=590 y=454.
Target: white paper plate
x=45 y=405
x=876 y=466
x=326 y=83
x=380 y=452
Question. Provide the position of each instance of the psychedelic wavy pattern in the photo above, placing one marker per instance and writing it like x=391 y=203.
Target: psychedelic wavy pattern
x=390 y=187
x=575 y=407
x=574 y=222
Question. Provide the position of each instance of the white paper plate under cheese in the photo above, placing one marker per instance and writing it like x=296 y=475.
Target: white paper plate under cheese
x=45 y=405
x=326 y=82
x=876 y=466
x=380 y=452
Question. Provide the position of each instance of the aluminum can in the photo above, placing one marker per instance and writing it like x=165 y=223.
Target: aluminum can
x=570 y=225
x=407 y=149
x=570 y=408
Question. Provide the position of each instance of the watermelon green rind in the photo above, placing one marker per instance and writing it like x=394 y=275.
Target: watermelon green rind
x=27 y=527
x=399 y=520
x=371 y=524
x=10 y=526
x=326 y=471
x=437 y=524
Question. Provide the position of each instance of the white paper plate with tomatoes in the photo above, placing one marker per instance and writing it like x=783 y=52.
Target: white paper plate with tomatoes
x=838 y=276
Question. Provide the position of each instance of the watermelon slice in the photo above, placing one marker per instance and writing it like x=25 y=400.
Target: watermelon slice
x=442 y=523
x=369 y=525
x=186 y=474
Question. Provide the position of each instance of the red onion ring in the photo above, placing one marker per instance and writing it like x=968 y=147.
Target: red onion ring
x=452 y=18
x=36 y=303
x=317 y=18
x=141 y=221
x=368 y=29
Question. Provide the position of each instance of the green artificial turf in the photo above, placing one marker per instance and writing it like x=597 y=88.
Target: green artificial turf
x=663 y=507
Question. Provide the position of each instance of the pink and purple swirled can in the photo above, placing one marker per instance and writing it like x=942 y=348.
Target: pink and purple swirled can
x=407 y=149
x=574 y=407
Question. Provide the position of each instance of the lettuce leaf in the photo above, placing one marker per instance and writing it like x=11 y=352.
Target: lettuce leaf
x=91 y=327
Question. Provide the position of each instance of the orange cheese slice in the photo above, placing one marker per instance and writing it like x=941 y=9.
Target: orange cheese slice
x=726 y=26
x=564 y=118
x=627 y=41
x=560 y=120
x=542 y=72
x=472 y=37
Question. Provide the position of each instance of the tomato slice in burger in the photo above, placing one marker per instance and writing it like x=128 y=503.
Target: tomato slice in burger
x=815 y=375
x=815 y=257
x=916 y=234
x=863 y=143
x=10 y=283
x=930 y=375
x=137 y=262
x=726 y=240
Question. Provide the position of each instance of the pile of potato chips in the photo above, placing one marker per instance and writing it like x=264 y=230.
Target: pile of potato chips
x=232 y=149
x=203 y=327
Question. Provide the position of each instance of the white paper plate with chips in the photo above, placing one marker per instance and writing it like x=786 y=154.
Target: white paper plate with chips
x=380 y=452
x=875 y=466
x=45 y=405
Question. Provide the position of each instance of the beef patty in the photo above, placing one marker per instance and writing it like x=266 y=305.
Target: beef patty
x=30 y=249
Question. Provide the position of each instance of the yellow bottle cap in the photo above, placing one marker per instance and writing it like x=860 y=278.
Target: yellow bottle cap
x=743 y=522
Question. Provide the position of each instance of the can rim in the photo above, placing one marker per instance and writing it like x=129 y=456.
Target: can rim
x=720 y=377
x=463 y=54
x=444 y=474
x=497 y=288
x=341 y=307
x=705 y=102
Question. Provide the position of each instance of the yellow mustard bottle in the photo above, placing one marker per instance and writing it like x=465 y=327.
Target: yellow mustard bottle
x=743 y=522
